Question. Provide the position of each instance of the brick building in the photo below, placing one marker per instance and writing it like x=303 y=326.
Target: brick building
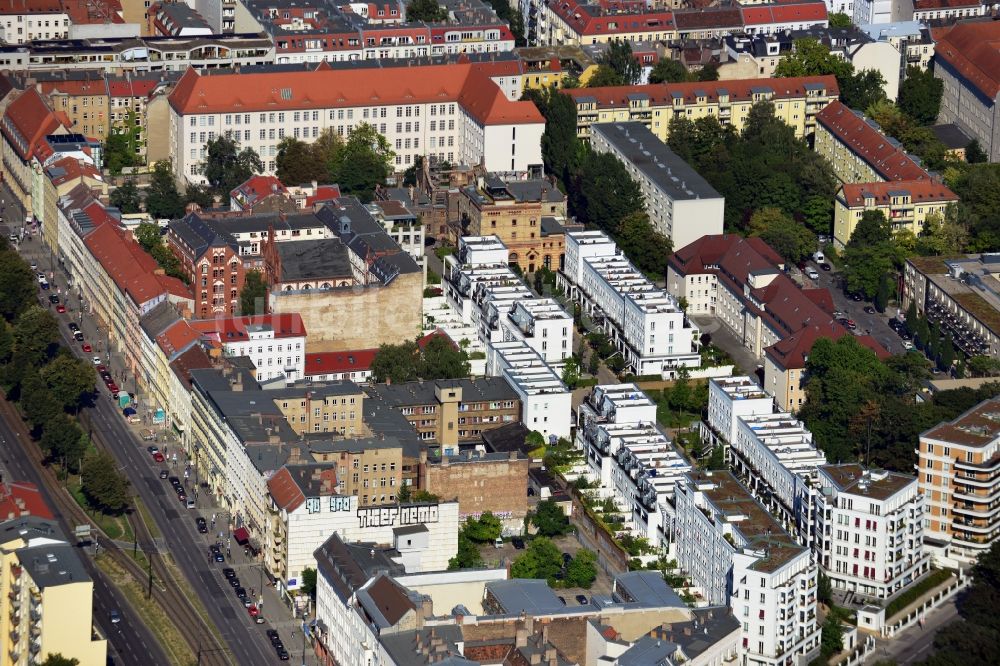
x=479 y=481
x=213 y=266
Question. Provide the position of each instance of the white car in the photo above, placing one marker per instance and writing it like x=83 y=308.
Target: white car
x=812 y=274
x=96 y=360
x=42 y=278
x=908 y=346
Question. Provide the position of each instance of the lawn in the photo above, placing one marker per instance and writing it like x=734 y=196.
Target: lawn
x=116 y=527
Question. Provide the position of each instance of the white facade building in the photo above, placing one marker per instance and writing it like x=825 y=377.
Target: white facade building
x=680 y=203
x=732 y=398
x=276 y=343
x=735 y=551
x=452 y=112
x=34 y=23
x=869 y=529
x=644 y=322
x=546 y=402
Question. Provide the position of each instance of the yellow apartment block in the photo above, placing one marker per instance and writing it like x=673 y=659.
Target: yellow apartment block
x=797 y=101
x=905 y=203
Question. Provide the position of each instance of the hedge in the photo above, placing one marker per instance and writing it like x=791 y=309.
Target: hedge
x=935 y=578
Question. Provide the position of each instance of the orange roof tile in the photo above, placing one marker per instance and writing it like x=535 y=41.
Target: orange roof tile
x=72 y=169
x=193 y=359
x=28 y=120
x=229 y=91
x=327 y=363
x=920 y=191
x=885 y=156
x=74 y=87
x=177 y=339
x=131 y=269
x=235 y=329
x=973 y=50
x=20 y=498
x=30 y=7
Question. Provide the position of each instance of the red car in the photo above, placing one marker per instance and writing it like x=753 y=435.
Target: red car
x=87 y=347
x=101 y=369
x=113 y=388
x=252 y=609
x=158 y=457
x=61 y=309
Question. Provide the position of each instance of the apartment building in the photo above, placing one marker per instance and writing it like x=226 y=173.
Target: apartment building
x=545 y=400
x=738 y=555
x=454 y=112
x=546 y=66
x=42 y=571
x=526 y=215
x=175 y=19
x=729 y=400
x=796 y=101
x=128 y=98
x=212 y=263
x=82 y=96
x=630 y=459
x=927 y=10
x=26 y=123
x=858 y=150
x=680 y=203
x=118 y=55
x=353 y=365
x=449 y=412
x=33 y=20
x=960 y=295
x=644 y=322
x=957 y=468
x=906 y=204
x=966 y=61
x=275 y=343
x=869 y=529
x=61 y=177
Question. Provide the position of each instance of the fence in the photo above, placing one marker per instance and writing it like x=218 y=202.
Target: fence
x=859 y=654
x=918 y=613
x=590 y=534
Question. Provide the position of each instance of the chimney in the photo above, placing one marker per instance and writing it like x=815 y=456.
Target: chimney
x=521 y=637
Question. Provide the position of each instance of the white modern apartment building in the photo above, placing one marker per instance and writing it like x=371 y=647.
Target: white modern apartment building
x=775 y=456
x=23 y=22
x=633 y=462
x=869 y=529
x=736 y=552
x=730 y=399
x=644 y=322
x=680 y=203
x=542 y=324
x=546 y=402
x=276 y=343
x=453 y=112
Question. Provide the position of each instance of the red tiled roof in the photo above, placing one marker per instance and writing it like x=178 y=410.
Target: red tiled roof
x=95 y=12
x=791 y=352
x=20 y=498
x=323 y=193
x=738 y=90
x=174 y=286
x=285 y=491
x=126 y=263
x=920 y=191
x=257 y=187
x=799 y=12
x=30 y=6
x=74 y=87
x=27 y=121
x=924 y=5
x=73 y=169
x=324 y=88
x=193 y=359
x=132 y=86
x=886 y=157
x=973 y=50
x=177 y=338
x=822 y=299
x=436 y=333
x=234 y=329
x=327 y=363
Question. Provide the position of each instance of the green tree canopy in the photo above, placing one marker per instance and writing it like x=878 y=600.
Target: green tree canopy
x=364 y=162
x=17 y=284
x=467 y=556
x=118 y=153
x=669 y=71
x=484 y=529
x=550 y=519
x=58 y=660
x=581 y=571
x=36 y=336
x=63 y=439
x=104 y=486
x=299 y=162
x=643 y=244
x=70 y=379
x=126 y=197
x=791 y=239
x=620 y=59
x=309 y=582
x=227 y=166
x=810 y=57
x=426 y=10
x=840 y=20
x=163 y=200
x=603 y=192
x=605 y=76
x=559 y=141
x=541 y=560
x=253 y=296
x=920 y=95
x=974 y=153
x=441 y=359
x=36 y=399
x=396 y=363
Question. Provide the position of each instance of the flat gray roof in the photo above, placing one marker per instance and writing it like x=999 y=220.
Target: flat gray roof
x=656 y=161
x=525 y=595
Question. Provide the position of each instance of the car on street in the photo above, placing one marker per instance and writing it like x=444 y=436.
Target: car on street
x=201 y=524
x=41 y=278
x=825 y=266
x=78 y=336
x=272 y=635
x=837 y=314
x=44 y=285
x=229 y=572
x=158 y=457
x=518 y=543
x=96 y=360
x=856 y=297
x=908 y=346
x=34 y=266
x=811 y=273
x=163 y=473
x=73 y=326
x=241 y=593
x=252 y=610
x=113 y=388
x=182 y=496
x=219 y=557
x=61 y=309
x=869 y=309
x=895 y=324
x=53 y=299
x=234 y=582
x=87 y=348
x=190 y=504
x=114 y=616
x=582 y=600
x=562 y=600
x=566 y=558
x=152 y=449
x=282 y=654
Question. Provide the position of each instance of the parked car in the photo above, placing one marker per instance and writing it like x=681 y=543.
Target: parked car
x=272 y=635
x=229 y=572
x=190 y=504
x=73 y=326
x=518 y=543
x=61 y=309
x=77 y=335
x=41 y=278
x=201 y=524
x=825 y=266
x=147 y=434
x=908 y=346
x=87 y=348
x=282 y=654
x=45 y=285
x=114 y=616
x=96 y=360
x=869 y=309
x=234 y=582
x=241 y=592
x=252 y=610
x=811 y=273
x=158 y=457
x=152 y=449
x=163 y=473
x=53 y=299
x=582 y=600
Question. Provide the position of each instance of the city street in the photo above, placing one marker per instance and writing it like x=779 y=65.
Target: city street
x=245 y=641
x=915 y=643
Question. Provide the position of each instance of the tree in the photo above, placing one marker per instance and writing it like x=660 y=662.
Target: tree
x=559 y=141
x=862 y=89
x=974 y=153
x=824 y=589
x=884 y=292
x=428 y=11
x=467 y=556
x=36 y=336
x=603 y=192
x=942 y=234
x=147 y=234
x=668 y=71
x=709 y=72
x=17 y=285
x=36 y=399
x=309 y=582
x=571 y=373
x=791 y=239
x=870 y=253
x=118 y=154
x=620 y=59
x=57 y=659
x=442 y=359
x=484 y=529
x=643 y=244
x=163 y=200
x=198 y=194
x=605 y=76
x=396 y=363
x=105 y=488
x=920 y=95
x=810 y=57
x=984 y=366
x=363 y=163
x=61 y=438
x=298 y=162
x=70 y=379
x=253 y=295
x=581 y=571
x=126 y=197
x=840 y=20
x=550 y=519
x=226 y=166
x=541 y=560
x=832 y=638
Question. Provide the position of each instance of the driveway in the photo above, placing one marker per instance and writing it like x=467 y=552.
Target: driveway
x=724 y=339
